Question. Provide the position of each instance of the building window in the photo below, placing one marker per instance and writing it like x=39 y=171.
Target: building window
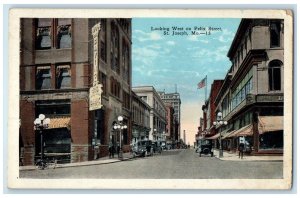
x=43 y=77
x=43 y=33
x=53 y=108
x=115 y=65
x=275 y=75
x=115 y=87
x=244 y=88
x=63 y=76
x=275 y=34
x=144 y=98
x=53 y=33
x=103 y=81
x=112 y=85
x=125 y=60
x=64 y=39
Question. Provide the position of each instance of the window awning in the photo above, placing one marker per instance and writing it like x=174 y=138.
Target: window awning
x=270 y=123
x=244 y=131
x=60 y=122
x=228 y=134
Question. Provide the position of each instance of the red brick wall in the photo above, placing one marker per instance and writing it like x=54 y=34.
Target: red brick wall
x=215 y=88
x=79 y=130
x=27 y=114
x=103 y=151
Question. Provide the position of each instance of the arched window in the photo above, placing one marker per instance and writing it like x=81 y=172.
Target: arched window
x=275 y=75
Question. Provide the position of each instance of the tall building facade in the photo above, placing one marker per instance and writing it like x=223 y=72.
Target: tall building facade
x=209 y=109
x=140 y=119
x=60 y=60
x=170 y=128
x=175 y=101
x=158 y=111
x=251 y=97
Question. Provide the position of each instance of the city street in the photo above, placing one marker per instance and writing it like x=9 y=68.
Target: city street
x=173 y=164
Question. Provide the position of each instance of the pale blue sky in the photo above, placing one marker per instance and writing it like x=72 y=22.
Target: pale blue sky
x=164 y=60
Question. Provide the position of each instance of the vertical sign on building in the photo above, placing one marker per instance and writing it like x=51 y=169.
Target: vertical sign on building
x=96 y=89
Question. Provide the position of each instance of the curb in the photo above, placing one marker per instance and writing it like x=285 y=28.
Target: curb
x=254 y=160
x=78 y=165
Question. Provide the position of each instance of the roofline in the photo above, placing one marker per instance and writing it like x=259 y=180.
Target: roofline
x=241 y=28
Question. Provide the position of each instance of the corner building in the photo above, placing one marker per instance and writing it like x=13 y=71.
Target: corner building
x=251 y=97
x=57 y=59
x=158 y=111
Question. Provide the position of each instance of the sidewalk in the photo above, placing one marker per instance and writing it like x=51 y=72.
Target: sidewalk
x=235 y=157
x=103 y=160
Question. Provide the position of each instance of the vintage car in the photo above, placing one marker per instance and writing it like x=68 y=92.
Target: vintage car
x=142 y=148
x=206 y=148
x=156 y=145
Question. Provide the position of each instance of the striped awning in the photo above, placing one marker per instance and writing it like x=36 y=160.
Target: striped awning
x=60 y=122
x=244 y=131
x=226 y=135
x=270 y=123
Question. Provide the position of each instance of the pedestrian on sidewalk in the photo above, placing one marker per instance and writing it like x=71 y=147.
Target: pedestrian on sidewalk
x=241 y=150
x=110 y=149
x=118 y=150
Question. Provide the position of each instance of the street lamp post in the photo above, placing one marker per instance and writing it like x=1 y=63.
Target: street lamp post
x=120 y=126
x=218 y=123
x=40 y=124
x=154 y=134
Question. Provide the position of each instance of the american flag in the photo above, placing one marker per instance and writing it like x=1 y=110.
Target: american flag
x=201 y=84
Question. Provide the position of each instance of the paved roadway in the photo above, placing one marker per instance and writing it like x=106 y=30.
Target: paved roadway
x=175 y=164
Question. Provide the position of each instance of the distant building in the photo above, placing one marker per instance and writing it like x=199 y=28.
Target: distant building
x=251 y=97
x=57 y=61
x=170 y=128
x=158 y=111
x=140 y=118
x=175 y=101
x=209 y=109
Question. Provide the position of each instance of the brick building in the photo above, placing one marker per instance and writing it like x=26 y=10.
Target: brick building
x=209 y=109
x=140 y=119
x=251 y=97
x=60 y=60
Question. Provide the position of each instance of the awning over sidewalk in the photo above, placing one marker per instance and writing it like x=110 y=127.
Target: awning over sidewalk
x=59 y=122
x=213 y=137
x=244 y=131
x=270 y=123
x=226 y=135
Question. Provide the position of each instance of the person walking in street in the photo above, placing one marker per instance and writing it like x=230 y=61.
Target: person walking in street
x=241 y=150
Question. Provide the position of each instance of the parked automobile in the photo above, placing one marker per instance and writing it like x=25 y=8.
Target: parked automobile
x=156 y=147
x=206 y=148
x=142 y=148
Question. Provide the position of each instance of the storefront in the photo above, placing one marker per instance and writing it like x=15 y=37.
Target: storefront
x=57 y=136
x=270 y=129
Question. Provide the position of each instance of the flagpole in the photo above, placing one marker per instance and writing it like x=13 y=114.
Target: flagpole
x=205 y=88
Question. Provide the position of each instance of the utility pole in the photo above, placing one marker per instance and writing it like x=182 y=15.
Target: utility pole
x=184 y=137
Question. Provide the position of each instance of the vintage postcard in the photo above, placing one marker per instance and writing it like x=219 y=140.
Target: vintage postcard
x=150 y=99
